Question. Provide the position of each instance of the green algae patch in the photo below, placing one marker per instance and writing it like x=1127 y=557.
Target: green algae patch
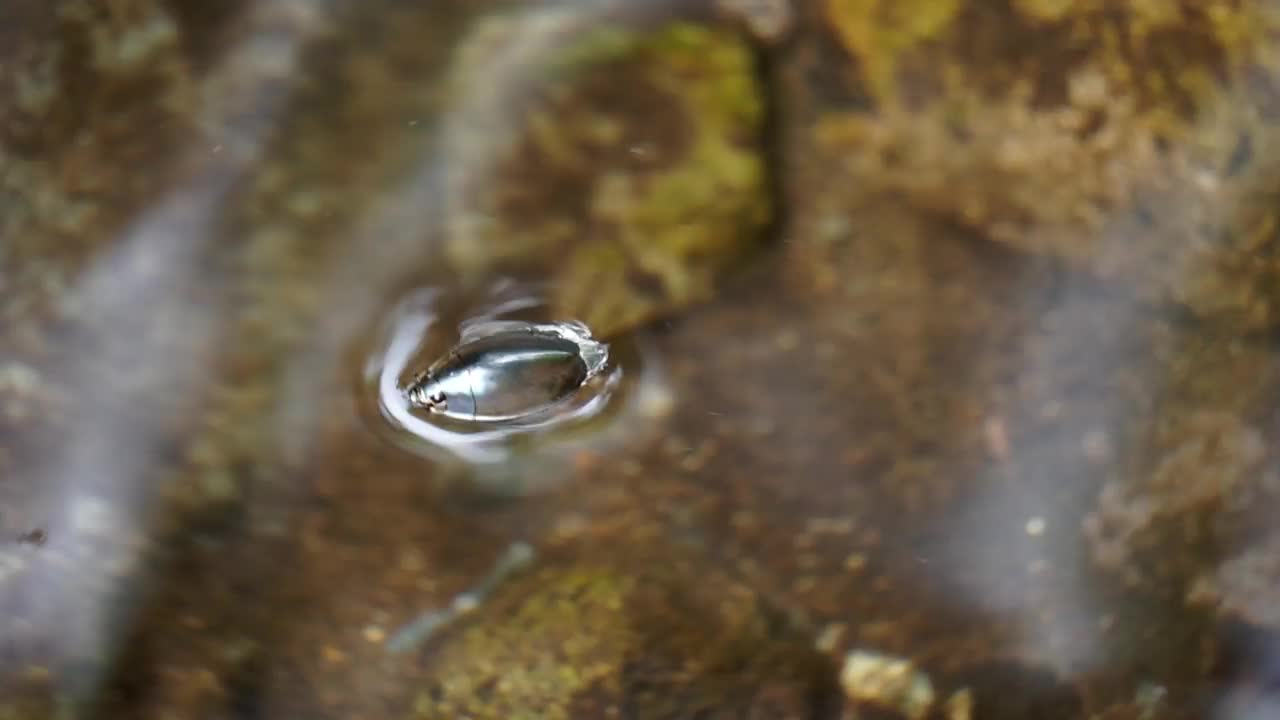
x=665 y=637
x=626 y=167
x=529 y=654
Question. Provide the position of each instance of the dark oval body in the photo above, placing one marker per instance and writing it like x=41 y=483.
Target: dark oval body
x=502 y=377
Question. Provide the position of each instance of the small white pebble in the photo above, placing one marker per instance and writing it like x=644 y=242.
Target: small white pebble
x=1095 y=445
x=829 y=638
x=465 y=603
x=10 y=565
x=887 y=681
x=1036 y=526
x=19 y=378
x=656 y=403
x=91 y=516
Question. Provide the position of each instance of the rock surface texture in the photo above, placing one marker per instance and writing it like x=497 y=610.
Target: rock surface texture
x=964 y=310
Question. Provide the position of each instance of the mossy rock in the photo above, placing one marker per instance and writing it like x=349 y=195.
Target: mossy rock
x=623 y=164
x=587 y=640
x=1132 y=140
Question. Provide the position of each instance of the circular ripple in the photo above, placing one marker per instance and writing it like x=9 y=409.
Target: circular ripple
x=617 y=407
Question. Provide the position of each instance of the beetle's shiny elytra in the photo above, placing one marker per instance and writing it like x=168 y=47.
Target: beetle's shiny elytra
x=505 y=375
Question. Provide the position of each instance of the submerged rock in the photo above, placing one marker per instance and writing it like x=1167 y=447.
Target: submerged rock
x=1134 y=140
x=594 y=640
x=624 y=162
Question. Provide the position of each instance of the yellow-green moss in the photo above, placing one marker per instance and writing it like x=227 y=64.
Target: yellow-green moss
x=527 y=658
x=709 y=205
x=877 y=31
x=595 y=194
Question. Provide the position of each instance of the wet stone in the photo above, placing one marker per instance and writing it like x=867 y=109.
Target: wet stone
x=590 y=640
x=1133 y=140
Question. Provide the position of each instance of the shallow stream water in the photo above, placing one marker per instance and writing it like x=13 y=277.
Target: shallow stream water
x=852 y=454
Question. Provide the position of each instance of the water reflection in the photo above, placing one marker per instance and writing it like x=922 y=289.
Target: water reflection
x=1246 y=672
x=608 y=407
x=987 y=459
x=136 y=347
